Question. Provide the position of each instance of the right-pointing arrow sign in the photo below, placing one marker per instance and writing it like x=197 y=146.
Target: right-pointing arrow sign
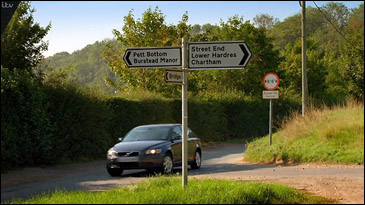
x=246 y=54
x=218 y=55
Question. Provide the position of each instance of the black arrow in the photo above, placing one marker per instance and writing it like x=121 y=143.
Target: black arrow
x=166 y=76
x=126 y=58
x=246 y=55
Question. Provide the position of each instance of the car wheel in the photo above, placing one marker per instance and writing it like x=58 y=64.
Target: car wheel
x=197 y=160
x=115 y=172
x=167 y=165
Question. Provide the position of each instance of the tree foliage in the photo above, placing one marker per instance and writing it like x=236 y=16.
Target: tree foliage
x=21 y=42
x=150 y=31
x=265 y=20
x=353 y=54
x=291 y=69
x=89 y=67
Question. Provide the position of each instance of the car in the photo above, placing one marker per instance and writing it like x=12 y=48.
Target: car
x=155 y=147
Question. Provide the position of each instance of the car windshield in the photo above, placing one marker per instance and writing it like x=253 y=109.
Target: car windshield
x=147 y=133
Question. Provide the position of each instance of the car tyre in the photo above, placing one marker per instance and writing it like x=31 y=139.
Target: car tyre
x=197 y=160
x=168 y=164
x=114 y=172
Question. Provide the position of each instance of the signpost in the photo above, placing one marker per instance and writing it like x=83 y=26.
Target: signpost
x=153 y=57
x=174 y=76
x=184 y=113
x=218 y=55
x=202 y=55
x=271 y=83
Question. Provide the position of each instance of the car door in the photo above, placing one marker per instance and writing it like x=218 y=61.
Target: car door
x=191 y=145
x=176 y=145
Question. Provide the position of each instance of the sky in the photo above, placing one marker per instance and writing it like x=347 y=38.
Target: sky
x=76 y=24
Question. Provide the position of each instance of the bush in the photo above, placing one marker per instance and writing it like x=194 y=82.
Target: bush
x=26 y=127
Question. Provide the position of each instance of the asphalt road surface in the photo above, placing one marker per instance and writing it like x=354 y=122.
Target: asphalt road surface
x=220 y=161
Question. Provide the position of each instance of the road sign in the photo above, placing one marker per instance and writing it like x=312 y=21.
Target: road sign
x=173 y=76
x=153 y=57
x=218 y=55
x=271 y=81
x=274 y=94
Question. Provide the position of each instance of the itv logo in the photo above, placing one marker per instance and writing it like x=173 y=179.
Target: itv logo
x=6 y=5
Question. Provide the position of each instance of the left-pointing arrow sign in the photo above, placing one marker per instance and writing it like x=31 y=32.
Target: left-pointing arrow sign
x=153 y=57
x=173 y=76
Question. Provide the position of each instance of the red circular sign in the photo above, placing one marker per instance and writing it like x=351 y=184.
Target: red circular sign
x=271 y=81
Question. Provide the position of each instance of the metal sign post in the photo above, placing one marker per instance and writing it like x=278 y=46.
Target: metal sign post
x=271 y=82
x=270 y=122
x=184 y=98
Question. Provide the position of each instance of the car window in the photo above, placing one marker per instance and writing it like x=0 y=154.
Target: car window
x=176 y=133
x=147 y=133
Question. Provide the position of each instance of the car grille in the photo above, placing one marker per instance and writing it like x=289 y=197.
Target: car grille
x=128 y=154
x=128 y=165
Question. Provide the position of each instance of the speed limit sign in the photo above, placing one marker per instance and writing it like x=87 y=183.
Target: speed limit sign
x=271 y=81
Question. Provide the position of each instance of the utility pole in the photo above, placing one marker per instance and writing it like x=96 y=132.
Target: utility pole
x=304 y=65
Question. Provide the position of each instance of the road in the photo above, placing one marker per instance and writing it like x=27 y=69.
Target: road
x=345 y=183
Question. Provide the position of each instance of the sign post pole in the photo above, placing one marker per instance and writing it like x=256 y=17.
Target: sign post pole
x=271 y=82
x=270 y=122
x=184 y=113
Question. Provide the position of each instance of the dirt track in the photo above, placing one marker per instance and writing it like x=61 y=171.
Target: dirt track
x=344 y=183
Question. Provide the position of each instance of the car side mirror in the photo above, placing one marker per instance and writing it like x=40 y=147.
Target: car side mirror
x=120 y=139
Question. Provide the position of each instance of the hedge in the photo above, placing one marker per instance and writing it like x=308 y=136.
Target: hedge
x=43 y=124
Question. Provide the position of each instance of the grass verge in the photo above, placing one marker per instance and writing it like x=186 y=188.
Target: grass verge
x=334 y=136
x=168 y=190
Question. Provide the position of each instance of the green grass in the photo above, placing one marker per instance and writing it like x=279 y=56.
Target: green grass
x=333 y=136
x=168 y=190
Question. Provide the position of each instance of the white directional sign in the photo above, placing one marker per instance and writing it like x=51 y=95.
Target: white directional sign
x=271 y=81
x=173 y=76
x=218 y=55
x=268 y=94
x=153 y=57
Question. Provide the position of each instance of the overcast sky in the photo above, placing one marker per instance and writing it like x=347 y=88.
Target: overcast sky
x=76 y=24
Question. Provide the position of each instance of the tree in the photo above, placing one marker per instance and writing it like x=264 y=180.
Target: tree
x=353 y=54
x=265 y=20
x=21 y=42
x=249 y=80
x=289 y=30
x=291 y=72
x=196 y=29
x=150 y=31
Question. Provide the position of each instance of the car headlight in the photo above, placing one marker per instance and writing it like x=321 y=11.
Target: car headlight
x=153 y=151
x=111 y=153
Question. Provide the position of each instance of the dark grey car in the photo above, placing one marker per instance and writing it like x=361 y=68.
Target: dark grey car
x=153 y=147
